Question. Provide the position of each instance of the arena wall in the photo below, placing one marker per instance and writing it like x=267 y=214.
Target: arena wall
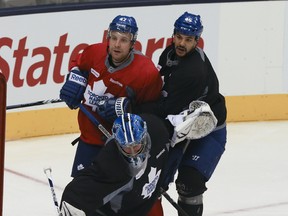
x=246 y=42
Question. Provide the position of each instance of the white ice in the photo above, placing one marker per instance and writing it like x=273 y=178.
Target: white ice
x=250 y=180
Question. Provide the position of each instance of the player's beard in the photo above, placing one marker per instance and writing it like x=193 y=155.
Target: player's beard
x=181 y=51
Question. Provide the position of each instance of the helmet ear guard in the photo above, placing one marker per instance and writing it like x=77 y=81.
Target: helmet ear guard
x=189 y=24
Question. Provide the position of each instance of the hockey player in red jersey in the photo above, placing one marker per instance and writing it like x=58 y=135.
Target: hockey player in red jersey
x=125 y=177
x=108 y=70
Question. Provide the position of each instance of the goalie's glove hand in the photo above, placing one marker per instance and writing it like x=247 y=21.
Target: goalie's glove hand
x=111 y=108
x=72 y=92
x=196 y=122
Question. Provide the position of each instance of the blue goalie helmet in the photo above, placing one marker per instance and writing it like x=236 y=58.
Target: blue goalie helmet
x=189 y=24
x=124 y=24
x=132 y=139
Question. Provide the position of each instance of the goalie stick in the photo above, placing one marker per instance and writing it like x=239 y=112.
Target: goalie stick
x=108 y=135
x=37 y=103
x=48 y=172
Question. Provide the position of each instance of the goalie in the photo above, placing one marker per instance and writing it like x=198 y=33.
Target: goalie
x=125 y=177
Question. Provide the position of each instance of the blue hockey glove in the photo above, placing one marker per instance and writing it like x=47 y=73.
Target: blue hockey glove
x=72 y=92
x=111 y=108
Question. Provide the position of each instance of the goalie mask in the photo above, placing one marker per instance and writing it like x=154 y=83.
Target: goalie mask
x=124 y=24
x=133 y=141
x=189 y=24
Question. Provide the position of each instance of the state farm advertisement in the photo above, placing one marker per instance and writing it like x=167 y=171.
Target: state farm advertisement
x=35 y=49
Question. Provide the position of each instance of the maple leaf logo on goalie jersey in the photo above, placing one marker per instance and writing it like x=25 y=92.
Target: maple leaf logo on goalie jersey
x=150 y=187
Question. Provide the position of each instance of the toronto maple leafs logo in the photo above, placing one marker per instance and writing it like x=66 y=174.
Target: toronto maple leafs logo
x=150 y=187
x=93 y=95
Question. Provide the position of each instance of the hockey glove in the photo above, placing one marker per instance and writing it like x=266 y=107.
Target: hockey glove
x=72 y=92
x=111 y=108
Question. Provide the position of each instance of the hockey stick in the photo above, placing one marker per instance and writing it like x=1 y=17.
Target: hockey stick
x=95 y=121
x=166 y=195
x=83 y=109
x=108 y=135
x=48 y=172
x=37 y=103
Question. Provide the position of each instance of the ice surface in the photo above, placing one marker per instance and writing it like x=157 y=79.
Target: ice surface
x=250 y=180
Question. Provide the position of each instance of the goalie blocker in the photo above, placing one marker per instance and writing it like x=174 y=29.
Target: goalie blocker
x=194 y=123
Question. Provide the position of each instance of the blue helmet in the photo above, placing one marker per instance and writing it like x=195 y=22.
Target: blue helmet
x=189 y=24
x=130 y=132
x=124 y=24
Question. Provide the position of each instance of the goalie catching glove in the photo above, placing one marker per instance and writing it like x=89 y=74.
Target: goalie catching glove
x=111 y=108
x=193 y=123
